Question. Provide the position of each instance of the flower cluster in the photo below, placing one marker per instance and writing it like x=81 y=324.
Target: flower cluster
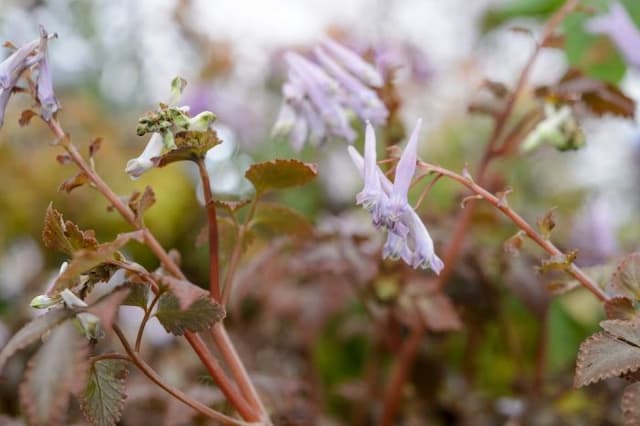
x=407 y=237
x=320 y=95
x=619 y=26
x=31 y=56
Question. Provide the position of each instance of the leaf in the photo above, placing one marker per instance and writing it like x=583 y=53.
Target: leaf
x=191 y=146
x=141 y=202
x=231 y=206
x=138 y=295
x=559 y=262
x=280 y=174
x=513 y=244
x=186 y=292
x=94 y=147
x=625 y=281
x=85 y=259
x=546 y=223
x=74 y=182
x=63 y=236
x=58 y=369
x=598 y=96
x=25 y=117
x=272 y=219
x=629 y=331
x=631 y=405
x=200 y=316
x=619 y=308
x=102 y=400
x=32 y=331
x=603 y=355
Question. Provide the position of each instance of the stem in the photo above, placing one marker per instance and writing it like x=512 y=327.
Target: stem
x=143 y=323
x=214 y=261
x=176 y=393
x=545 y=244
x=238 y=371
x=196 y=342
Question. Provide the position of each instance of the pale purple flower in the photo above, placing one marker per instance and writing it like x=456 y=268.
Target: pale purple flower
x=44 y=88
x=137 y=166
x=407 y=237
x=10 y=71
x=619 y=26
x=326 y=93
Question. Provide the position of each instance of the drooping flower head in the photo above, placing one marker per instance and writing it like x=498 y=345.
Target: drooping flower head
x=31 y=55
x=323 y=92
x=407 y=237
x=618 y=25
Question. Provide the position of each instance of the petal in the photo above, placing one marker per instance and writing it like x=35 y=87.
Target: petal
x=406 y=166
x=137 y=166
x=423 y=251
x=354 y=63
x=44 y=86
x=358 y=161
x=619 y=26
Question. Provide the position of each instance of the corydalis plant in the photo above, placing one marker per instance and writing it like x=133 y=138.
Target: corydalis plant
x=30 y=56
x=322 y=94
x=407 y=237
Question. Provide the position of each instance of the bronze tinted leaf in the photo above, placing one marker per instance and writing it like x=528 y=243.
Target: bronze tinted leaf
x=604 y=355
x=631 y=405
x=625 y=281
x=272 y=219
x=199 y=316
x=280 y=174
x=58 y=369
x=102 y=400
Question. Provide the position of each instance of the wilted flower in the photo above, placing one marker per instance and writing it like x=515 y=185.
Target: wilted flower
x=619 y=26
x=321 y=95
x=31 y=55
x=44 y=88
x=407 y=237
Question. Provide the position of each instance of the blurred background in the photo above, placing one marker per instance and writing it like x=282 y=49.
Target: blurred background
x=313 y=337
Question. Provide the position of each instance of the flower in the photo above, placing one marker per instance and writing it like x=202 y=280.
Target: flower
x=44 y=87
x=619 y=26
x=559 y=129
x=321 y=95
x=137 y=166
x=407 y=236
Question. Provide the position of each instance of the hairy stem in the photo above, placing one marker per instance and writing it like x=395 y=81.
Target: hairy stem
x=146 y=369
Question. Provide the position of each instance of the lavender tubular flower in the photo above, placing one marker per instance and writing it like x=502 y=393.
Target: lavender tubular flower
x=44 y=87
x=617 y=24
x=324 y=93
x=15 y=64
x=354 y=63
x=407 y=237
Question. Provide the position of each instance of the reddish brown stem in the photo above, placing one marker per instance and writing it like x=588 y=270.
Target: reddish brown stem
x=214 y=262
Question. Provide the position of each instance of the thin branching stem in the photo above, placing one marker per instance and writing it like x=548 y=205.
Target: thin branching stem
x=151 y=374
x=147 y=314
x=214 y=261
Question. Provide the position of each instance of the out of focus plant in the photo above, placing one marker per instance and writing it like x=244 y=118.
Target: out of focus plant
x=337 y=95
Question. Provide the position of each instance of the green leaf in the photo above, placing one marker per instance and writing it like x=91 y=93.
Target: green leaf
x=103 y=398
x=63 y=236
x=58 y=369
x=594 y=54
x=280 y=174
x=625 y=281
x=200 y=316
x=138 y=296
x=88 y=258
x=33 y=331
x=272 y=219
x=631 y=405
x=604 y=355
